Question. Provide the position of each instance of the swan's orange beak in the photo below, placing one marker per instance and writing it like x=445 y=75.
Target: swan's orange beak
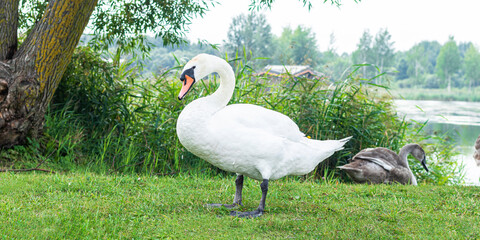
x=187 y=84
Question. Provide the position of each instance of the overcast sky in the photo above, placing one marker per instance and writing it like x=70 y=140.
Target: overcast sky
x=408 y=21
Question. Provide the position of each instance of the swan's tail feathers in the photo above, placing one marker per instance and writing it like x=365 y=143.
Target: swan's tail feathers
x=356 y=174
x=342 y=142
x=350 y=169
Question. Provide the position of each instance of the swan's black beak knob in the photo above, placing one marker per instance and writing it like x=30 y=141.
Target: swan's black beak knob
x=188 y=80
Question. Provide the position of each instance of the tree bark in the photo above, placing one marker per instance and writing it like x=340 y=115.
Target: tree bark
x=8 y=28
x=30 y=76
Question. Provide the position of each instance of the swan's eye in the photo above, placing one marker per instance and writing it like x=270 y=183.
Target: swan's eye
x=189 y=72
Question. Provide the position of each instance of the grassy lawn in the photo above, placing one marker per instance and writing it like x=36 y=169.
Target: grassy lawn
x=90 y=206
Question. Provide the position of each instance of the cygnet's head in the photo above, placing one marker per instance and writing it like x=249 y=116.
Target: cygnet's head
x=419 y=154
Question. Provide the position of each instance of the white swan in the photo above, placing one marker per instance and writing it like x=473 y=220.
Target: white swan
x=242 y=138
x=382 y=165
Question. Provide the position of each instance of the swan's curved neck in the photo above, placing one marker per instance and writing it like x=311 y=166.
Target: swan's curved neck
x=404 y=154
x=192 y=123
x=223 y=94
x=407 y=149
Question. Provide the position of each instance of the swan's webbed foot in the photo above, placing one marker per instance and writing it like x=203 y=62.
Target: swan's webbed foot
x=219 y=205
x=237 y=201
x=261 y=207
x=251 y=214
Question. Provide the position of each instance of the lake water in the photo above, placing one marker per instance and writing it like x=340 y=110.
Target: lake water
x=460 y=119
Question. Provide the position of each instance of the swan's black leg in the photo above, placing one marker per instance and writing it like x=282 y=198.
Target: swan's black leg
x=237 y=200
x=261 y=206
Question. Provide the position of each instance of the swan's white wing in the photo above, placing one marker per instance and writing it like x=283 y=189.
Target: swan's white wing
x=261 y=143
x=238 y=116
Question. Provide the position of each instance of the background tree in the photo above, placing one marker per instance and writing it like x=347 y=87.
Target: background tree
x=283 y=42
x=472 y=66
x=379 y=52
x=401 y=66
x=421 y=60
x=305 y=48
x=363 y=54
x=250 y=34
x=383 y=50
x=448 y=62
x=297 y=47
x=337 y=68
x=417 y=63
x=462 y=48
x=333 y=64
x=431 y=50
x=331 y=54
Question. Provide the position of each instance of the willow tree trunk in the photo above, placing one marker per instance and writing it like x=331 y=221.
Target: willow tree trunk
x=30 y=74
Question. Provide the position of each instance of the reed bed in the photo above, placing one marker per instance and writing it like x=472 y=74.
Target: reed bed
x=107 y=118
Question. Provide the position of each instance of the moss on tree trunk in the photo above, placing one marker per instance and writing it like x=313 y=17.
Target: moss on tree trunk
x=30 y=75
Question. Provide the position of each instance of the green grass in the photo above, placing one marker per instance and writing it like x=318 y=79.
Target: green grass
x=108 y=134
x=90 y=206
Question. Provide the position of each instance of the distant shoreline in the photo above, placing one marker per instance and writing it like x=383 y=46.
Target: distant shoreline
x=456 y=94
